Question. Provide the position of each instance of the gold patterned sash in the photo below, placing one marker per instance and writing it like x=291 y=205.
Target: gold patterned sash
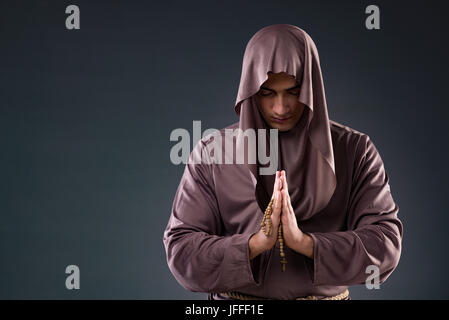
x=241 y=296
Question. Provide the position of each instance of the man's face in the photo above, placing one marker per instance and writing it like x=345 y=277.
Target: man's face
x=278 y=101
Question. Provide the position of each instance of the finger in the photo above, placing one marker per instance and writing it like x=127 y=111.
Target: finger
x=287 y=206
x=284 y=179
x=277 y=206
x=276 y=184
x=285 y=209
x=278 y=180
x=284 y=201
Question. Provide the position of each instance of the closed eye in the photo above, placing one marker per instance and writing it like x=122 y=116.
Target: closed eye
x=265 y=93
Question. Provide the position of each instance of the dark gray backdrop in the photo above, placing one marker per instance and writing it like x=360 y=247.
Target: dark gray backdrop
x=86 y=115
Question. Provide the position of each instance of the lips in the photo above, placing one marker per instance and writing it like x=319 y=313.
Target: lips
x=281 y=120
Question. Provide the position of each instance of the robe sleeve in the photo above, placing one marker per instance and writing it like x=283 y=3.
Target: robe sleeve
x=198 y=255
x=374 y=232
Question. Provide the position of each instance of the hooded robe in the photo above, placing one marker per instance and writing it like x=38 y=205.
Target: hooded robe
x=337 y=182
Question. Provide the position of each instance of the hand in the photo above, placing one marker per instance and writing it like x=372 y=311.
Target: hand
x=294 y=238
x=259 y=242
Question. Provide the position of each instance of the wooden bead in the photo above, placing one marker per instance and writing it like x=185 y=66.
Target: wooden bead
x=266 y=226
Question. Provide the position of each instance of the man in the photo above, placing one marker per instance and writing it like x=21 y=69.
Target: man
x=331 y=193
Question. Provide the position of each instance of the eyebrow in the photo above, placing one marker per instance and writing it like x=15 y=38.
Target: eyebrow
x=269 y=89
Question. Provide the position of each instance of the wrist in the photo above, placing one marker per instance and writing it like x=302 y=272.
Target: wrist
x=257 y=244
x=305 y=245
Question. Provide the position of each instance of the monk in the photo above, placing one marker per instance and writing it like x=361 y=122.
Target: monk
x=331 y=212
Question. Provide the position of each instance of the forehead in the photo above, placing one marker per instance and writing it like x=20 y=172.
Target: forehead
x=280 y=80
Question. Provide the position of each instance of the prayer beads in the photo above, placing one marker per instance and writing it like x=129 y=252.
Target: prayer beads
x=266 y=226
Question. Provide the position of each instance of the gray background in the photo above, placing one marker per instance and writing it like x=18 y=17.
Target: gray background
x=86 y=115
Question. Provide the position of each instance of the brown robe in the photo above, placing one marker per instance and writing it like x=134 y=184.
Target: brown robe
x=337 y=181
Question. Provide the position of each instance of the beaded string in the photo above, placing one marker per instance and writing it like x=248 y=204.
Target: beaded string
x=281 y=247
x=266 y=220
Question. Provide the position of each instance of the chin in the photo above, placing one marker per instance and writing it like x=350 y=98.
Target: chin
x=281 y=127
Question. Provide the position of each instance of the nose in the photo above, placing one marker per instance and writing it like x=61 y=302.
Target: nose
x=280 y=107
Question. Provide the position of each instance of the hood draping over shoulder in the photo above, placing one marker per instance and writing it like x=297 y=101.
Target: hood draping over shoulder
x=305 y=151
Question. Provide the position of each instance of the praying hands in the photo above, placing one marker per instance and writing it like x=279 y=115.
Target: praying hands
x=294 y=238
x=282 y=212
